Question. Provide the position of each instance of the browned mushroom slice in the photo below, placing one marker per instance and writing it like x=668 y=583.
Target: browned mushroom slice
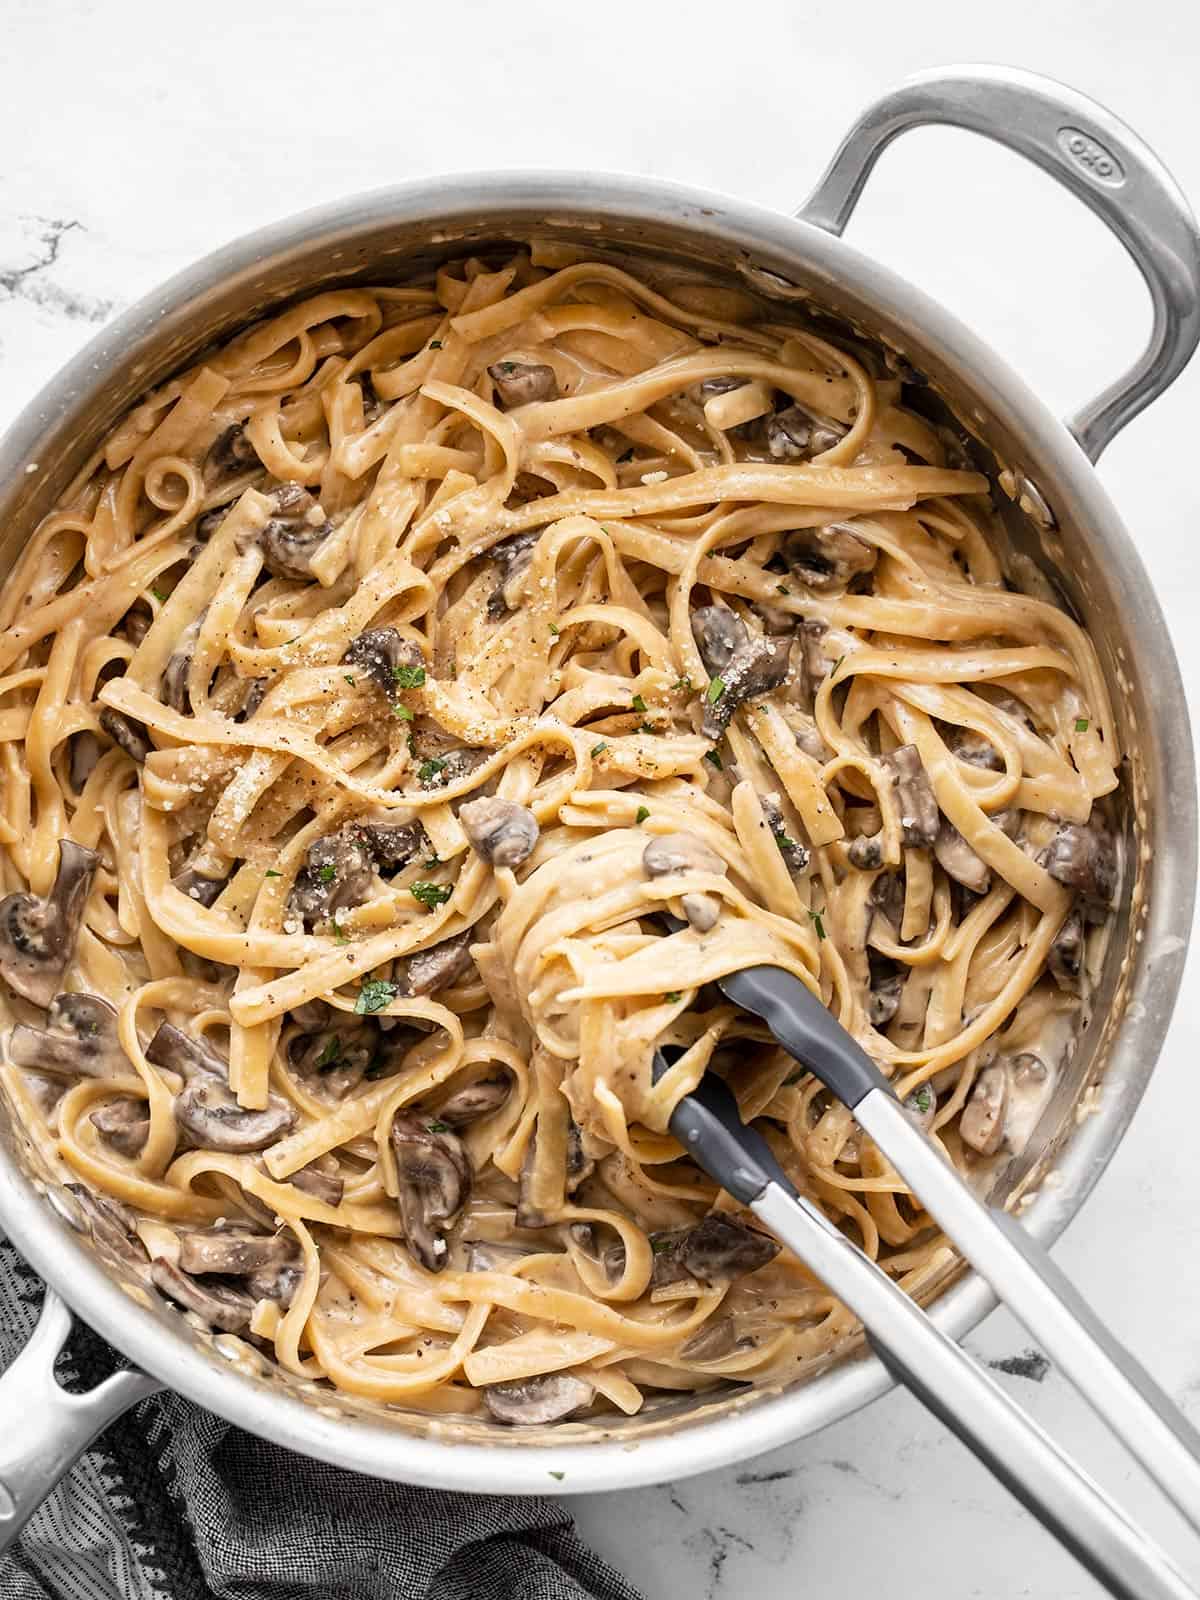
x=887 y=988
x=829 y=557
x=181 y=1053
x=338 y=871
x=179 y=664
x=334 y=1060
x=439 y=966
x=795 y=854
x=235 y=1252
x=231 y=451
x=83 y=753
x=580 y=1166
x=702 y=911
x=292 y=537
x=753 y=670
x=126 y=734
x=717 y=1338
x=208 y=1112
x=720 y=1249
x=668 y=854
x=384 y=654
x=204 y=875
x=956 y=857
x=795 y=434
x=919 y=816
x=550 y=1397
x=982 y=1120
x=814 y=664
x=393 y=844
x=474 y=1100
x=1084 y=857
x=122 y=1123
x=79 y=1040
x=514 y=557
x=975 y=750
x=719 y=634
x=1065 y=961
x=520 y=382
x=433 y=1174
x=438 y=772
x=501 y=832
x=322 y=1184
x=808 y=737
x=490 y=1255
x=111 y=1224
x=218 y=1304
x=866 y=852
x=136 y=622
x=38 y=937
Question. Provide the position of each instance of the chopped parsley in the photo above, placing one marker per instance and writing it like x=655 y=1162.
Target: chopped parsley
x=327 y=873
x=554 y=630
x=349 y=679
x=642 y=813
x=1082 y=724
x=434 y=861
x=921 y=1098
x=783 y=841
x=430 y=894
x=675 y=994
x=331 y=1053
x=559 y=1475
x=506 y=366
x=647 y=727
x=682 y=686
x=375 y=994
x=159 y=596
x=715 y=757
x=817 y=923
x=782 y=588
x=660 y=1246
x=271 y=873
x=339 y=937
x=716 y=688
x=403 y=712
x=638 y=703
x=598 y=748
x=626 y=455
x=438 y=1127
x=428 y=770
x=435 y=344
x=408 y=677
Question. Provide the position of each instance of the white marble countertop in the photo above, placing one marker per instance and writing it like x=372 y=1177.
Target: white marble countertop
x=138 y=136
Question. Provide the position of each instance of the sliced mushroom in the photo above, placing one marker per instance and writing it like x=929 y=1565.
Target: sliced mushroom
x=126 y=734
x=79 y=1040
x=335 y=1061
x=475 y=1100
x=206 y=526
x=180 y=1052
x=753 y=670
x=887 y=988
x=668 y=854
x=514 y=556
x=550 y=1397
x=381 y=653
x=204 y=875
x=235 y=1252
x=956 y=857
x=230 y=452
x=813 y=663
x=83 y=753
x=888 y=896
x=338 y=871
x=1065 y=961
x=38 y=937
x=433 y=1174
x=1084 y=857
x=720 y=1249
x=795 y=434
x=255 y=693
x=218 y=1304
x=919 y=816
x=325 y=1186
x=293 y=535
x=808 y=737
x=717 y=1338
x=866 y=852
x=719 y=634
x=122 y=1123
x=982 y=1120
x=701 y=910
x=437 y=772
x=975 y=750
x=490 y=1255
x=580 y=1166
x=829 y=557
x=111 y=1224
x=439 y=966
x=208 y=1112
x=136 y=622
x=795 y=854
x=501 y=832
x=179 y=663
x=520 y=382
x=393 y=844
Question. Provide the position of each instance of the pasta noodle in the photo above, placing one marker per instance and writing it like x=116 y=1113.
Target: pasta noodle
x=411 y=712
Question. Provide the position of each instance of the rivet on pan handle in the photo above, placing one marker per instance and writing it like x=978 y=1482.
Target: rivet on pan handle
x=43 y=1429
x=1090 y=152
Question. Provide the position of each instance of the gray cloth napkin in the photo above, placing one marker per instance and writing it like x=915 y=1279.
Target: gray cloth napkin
x=174 y=1504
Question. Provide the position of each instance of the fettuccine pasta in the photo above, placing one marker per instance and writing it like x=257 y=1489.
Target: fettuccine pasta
x=407 y=716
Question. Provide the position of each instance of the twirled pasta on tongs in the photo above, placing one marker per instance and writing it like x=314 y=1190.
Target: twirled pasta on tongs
x=367 y=701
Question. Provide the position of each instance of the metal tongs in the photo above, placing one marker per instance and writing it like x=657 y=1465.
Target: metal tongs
x=954 y=1387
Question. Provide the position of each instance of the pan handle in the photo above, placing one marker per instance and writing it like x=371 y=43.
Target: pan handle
x=1091 y=153
x=43 y=1429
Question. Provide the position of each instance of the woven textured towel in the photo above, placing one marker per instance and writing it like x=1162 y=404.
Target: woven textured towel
x=173 y=1504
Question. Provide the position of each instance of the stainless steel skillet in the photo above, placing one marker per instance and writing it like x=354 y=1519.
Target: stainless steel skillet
x=1062 y=517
